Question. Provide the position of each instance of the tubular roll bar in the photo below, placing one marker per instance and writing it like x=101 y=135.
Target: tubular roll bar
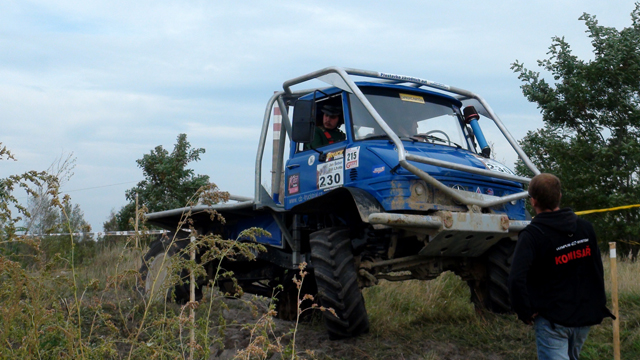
x=403 y=156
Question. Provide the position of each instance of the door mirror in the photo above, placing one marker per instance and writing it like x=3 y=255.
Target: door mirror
x=304 y=121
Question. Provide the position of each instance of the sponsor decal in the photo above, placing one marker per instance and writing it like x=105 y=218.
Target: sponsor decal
x=302 y=198
x=478 y=190
x=329 y=174
x=493 y=165
x=414 y=79
x=311 y=160
x=489 y=191
x=335 y=155
x=293 y=184
x=378 y=170
x=412 y=98
x=352 y=157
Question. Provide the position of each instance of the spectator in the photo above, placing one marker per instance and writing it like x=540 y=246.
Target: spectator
x=556 y=281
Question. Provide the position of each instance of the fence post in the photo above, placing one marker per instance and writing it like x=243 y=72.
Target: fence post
x=137 y=237
x=614 y=300
x=192 y=299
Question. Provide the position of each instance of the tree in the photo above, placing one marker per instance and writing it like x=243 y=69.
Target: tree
x=48 y=214
x=591 y=115
x=44 y=213
x=29 y=182
x=44 y=217
x=167 y=184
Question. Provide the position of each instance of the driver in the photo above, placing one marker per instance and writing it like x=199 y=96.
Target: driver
x=328 y=132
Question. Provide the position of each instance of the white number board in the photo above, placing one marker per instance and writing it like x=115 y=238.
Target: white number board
x=330 y=174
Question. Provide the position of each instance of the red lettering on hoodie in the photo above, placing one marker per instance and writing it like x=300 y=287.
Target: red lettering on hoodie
x=575 y=254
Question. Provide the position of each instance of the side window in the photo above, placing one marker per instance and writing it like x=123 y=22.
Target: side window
x=330 y=127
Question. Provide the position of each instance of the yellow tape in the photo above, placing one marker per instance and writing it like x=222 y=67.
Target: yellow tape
x=585 y=212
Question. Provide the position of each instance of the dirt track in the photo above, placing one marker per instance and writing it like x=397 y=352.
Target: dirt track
x=311 y=336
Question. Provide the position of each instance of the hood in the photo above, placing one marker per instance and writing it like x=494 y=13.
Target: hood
x=563 y=220
x=387 y=153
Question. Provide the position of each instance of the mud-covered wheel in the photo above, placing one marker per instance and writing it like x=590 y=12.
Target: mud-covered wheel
x=337 y=282
x=155 y=269
x=490 y=291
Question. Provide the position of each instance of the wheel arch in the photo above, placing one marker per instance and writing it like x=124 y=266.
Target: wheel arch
x=353 y=202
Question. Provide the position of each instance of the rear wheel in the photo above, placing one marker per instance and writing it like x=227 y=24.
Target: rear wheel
x=157 y=282
x=337 y=281
x=490 y=291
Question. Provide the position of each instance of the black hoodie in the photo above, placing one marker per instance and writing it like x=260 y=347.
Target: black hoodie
x=557 y=271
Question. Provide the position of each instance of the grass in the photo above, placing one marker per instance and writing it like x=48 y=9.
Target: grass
x=43 y=316
x=436 y=318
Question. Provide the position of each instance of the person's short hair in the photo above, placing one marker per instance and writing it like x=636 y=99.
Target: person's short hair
x=547 y=190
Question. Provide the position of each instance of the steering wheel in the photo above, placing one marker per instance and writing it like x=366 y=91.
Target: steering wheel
x=428 y=135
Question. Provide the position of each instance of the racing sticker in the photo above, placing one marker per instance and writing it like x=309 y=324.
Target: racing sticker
x=329 y=174
x=293 y=184
x=494 y=165
x=335 y=155
x=311 y=160
x=352 y=157
x=412 y=98
x=378 y=170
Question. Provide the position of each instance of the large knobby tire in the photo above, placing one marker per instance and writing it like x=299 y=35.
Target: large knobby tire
x=154 y=271
x=490 y=292
x=337 y=282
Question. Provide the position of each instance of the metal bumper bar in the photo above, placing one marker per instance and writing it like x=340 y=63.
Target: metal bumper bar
x=447 y=220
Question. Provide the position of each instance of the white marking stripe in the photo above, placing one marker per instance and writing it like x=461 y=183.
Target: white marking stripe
x=117 y=233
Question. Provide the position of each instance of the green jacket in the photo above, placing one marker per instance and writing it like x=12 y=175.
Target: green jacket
x=324 y=137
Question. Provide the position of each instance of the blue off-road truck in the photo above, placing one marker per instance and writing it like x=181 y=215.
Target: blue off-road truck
x=411 y=192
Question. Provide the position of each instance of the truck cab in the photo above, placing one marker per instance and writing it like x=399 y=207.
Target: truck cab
x=427 y=123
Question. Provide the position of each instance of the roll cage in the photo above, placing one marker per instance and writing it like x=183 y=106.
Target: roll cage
x=342 y=78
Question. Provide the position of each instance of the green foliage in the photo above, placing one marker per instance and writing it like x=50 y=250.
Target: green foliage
x=167 y=184
x=32 y=182
x=45 y=214
x=591 y=133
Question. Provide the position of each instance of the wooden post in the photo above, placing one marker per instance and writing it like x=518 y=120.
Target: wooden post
x=137 y=237
x=614 y=300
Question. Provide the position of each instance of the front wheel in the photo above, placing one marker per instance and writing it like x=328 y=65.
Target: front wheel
x=489 y=291
x=337 y=281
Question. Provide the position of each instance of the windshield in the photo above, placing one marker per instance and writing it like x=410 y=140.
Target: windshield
x=414 y=117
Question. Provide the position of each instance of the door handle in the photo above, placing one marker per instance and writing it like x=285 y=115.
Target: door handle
x=293 y=166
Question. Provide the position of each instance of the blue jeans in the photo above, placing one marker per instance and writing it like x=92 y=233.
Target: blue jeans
x=556 y=342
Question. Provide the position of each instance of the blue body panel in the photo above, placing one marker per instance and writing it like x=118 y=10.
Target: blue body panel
x=262 y=221
x=372 y=165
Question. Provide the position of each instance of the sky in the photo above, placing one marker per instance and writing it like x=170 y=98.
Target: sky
x=108 y=81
